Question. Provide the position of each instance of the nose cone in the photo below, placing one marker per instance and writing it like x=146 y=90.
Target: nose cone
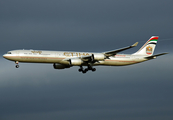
x=5 y=55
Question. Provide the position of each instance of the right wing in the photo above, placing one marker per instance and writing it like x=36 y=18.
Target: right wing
x=114 y=52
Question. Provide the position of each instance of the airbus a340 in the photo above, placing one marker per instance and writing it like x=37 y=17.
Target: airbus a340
x=64 y=59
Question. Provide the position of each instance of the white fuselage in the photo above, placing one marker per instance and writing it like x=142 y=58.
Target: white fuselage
x=39 y=56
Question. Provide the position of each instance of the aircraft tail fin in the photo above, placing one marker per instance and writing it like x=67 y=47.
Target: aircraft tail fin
x=148 y=48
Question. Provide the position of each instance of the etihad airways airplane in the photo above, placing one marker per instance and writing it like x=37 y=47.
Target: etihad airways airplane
x=64 y=59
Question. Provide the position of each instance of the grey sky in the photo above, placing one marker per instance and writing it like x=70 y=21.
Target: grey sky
x=37 y=91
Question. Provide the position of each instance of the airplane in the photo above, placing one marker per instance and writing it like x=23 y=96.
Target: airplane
x=66 y=59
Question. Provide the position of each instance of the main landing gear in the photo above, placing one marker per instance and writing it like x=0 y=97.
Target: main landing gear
x=16 y=62
x=86 y=69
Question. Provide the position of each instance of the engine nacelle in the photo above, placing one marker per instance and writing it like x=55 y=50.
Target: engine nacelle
x=98 y=56
x=60 y=66
x=75 y=62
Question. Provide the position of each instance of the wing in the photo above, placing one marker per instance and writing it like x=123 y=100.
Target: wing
x=83 y=58
x=91 y=58
x=114 y=52
x=154 y=56
x=87 y=58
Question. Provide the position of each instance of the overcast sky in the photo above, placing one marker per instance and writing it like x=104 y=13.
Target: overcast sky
x=37 y=91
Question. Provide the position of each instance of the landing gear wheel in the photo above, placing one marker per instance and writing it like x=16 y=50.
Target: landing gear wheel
x=80 y=70
x=83 y=71
x=94 y=69
x=17 y=66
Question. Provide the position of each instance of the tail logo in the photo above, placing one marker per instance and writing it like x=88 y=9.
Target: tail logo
x=149 y=50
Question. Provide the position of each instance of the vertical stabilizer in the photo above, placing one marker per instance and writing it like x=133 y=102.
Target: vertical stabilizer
x=148 y=48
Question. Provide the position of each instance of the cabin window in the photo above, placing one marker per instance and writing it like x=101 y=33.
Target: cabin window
x=8 y=52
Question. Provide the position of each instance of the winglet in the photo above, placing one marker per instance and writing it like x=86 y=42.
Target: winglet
x=134 y=45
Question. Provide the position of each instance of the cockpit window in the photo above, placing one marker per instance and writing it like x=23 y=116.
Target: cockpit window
x=8 y=52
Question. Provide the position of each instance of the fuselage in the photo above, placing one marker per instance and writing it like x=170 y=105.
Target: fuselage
x=39 y=56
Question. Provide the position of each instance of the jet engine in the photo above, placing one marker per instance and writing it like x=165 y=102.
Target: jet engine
x=75 y=62
x=60 y=66
x=98 y=56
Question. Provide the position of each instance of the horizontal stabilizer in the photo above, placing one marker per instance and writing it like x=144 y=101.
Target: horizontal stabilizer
x=154 y=56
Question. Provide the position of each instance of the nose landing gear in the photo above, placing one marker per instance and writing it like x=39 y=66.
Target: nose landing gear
x=16 y=62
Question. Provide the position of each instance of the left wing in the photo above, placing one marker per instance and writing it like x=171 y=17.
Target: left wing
x=114 y=52
x=87 y=58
